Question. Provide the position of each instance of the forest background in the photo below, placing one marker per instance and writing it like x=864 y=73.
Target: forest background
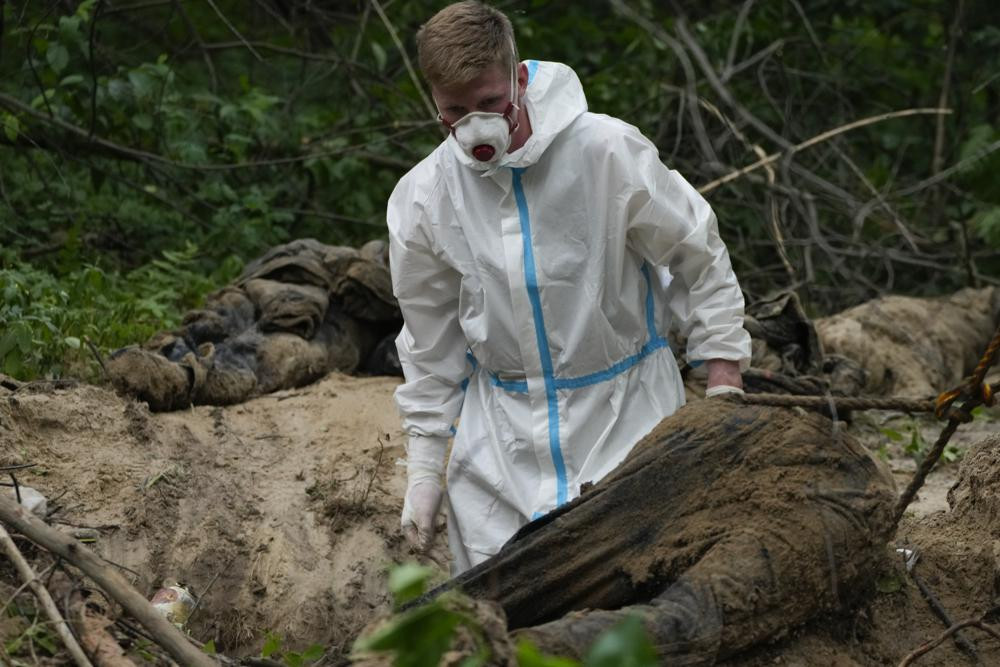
x=149 y=148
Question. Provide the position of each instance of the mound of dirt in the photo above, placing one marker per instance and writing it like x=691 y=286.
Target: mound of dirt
x=283 y=513
x=288 y=505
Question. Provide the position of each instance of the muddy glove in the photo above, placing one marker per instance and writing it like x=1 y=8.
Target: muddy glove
x=424 y=469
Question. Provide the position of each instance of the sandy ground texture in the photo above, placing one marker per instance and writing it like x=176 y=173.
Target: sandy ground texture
x=282 y=512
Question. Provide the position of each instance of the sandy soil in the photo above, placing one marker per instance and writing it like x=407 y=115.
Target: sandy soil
x=282 y=512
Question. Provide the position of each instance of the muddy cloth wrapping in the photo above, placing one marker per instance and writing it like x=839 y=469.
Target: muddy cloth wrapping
x=300 y=311
x=911 y=346
x=727 y=525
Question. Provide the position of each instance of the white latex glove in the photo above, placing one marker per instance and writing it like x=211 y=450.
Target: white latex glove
x=720 y=389
x=424 y=470
x=420 y=508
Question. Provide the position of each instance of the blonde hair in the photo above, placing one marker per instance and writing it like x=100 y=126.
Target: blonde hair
x=462 y=40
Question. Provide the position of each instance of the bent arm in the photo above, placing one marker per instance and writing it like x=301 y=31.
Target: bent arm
x=431 y=345
x=672 y=225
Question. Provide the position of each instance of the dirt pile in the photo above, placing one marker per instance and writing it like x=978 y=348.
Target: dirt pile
x=288 y=505
x=293 y=503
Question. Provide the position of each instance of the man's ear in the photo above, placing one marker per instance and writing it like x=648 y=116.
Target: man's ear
x=522 y=79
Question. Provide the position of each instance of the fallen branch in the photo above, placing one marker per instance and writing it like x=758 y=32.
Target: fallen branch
x=163 y=632
x=819 y=138
x=48 y=604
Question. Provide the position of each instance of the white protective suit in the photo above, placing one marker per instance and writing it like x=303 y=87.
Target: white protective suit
x=534 y=309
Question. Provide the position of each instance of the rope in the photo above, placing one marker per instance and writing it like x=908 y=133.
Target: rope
x=841 y=402
x=977 y=393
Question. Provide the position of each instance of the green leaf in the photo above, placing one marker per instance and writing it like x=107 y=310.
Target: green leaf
x=69 y=29
x=143 y=121
x=72 y=341
x=408 y=582
x=11 y=126
x=895 y=436
x=418 y=637
x=209 y=647
x=272 y=644
x=143 y=85
x=313 y=653
x=71 y=80
x=380 y=56
x=625 y=645
x=528 y=655
x=57 y=57
x=889 y=583
x=987 y=225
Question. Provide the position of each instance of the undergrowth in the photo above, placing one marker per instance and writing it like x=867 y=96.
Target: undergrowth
x=55 y=324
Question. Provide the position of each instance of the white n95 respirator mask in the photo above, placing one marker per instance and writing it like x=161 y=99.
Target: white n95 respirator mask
x=485 y=136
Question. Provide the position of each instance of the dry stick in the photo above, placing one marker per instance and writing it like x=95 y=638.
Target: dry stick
x=233 y=30
x=819 y=138
x=910 y=658
x=938 y=161
x=431 y=109
x=775 y=216
x=162 y=630
x=42 y=593
x=713 y=80
x=701 y=134
x=200 y=43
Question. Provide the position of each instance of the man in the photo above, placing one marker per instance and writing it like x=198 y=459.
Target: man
x=527 y=252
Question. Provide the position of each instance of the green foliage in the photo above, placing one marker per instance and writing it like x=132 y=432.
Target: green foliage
x=915 y=445
x=121 y=137
x=44 y=319
x=28 y=633
x=273 y=649
x=419 y=636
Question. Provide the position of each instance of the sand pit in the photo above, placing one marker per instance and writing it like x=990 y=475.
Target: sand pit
x=292 y=503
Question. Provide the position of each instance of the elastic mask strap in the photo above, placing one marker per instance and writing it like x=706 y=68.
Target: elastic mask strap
x=514 y=105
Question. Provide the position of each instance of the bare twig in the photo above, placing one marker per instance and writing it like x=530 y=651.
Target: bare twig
x=819 y=138
x=164 y=632
x=48 y=604
x=713 y=80
x=431 y=109
x=938 y=161
x=979 y=623
x=97 y=355
x=701 y=134
x=233 y=30
x=196 y=36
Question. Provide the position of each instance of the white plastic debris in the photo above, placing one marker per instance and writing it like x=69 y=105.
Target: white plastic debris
x=31 y=499
x=175 y=602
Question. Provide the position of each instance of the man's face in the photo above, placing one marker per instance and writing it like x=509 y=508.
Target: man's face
x=490 y=92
